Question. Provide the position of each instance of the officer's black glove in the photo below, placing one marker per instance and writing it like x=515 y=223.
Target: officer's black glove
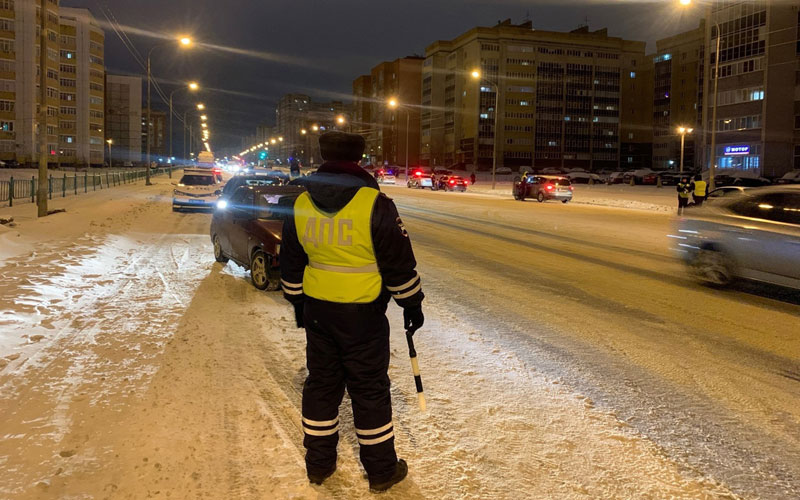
x=413 y=319
x=298 y=315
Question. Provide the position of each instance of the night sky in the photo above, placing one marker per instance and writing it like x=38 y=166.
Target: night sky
x=319 y=46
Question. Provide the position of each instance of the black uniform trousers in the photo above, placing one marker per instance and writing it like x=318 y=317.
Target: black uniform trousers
x=348 y=347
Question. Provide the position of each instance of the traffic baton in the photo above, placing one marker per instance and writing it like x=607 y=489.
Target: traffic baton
x=415 y=369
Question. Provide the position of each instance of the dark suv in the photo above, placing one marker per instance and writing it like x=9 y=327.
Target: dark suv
x=246 y=228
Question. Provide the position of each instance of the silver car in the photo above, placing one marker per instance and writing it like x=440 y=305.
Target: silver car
x=755 y=236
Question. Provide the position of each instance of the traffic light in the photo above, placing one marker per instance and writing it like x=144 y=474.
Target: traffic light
x=262 y=155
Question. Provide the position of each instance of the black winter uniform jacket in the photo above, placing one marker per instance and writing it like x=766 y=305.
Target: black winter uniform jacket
x=331 y=188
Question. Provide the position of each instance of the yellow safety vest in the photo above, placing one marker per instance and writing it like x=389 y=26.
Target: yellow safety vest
x=699 y=188
x=341 y=259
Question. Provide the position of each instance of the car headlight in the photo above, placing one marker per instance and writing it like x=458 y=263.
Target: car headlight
x=222 y=204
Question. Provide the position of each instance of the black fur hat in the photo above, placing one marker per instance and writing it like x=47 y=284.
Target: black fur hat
x=340 y=146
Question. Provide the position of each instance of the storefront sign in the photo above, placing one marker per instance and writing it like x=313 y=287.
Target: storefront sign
x=737 y=150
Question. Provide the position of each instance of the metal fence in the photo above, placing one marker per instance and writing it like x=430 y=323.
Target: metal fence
x=24 y=190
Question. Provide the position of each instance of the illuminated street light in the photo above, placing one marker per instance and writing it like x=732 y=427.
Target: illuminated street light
x=204 y=117
x=340 y=119
x=476 y=75
x=186 y=41
x=315 y=127
x=683 y=131
x=393 y=103
x=193 y=86
x=273 y=141
x=303 y=131
x=201 y=106
x=280 y=139
x=204 y=125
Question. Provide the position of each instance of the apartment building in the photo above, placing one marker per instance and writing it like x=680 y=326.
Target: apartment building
x=74 y=94
x=676 y=93
x=758 y=116
x=362 y=106
x=82 y=88
x=297 y=113
x=559 y=98
x=159 y=134
x=123 y=120
x=391 y=133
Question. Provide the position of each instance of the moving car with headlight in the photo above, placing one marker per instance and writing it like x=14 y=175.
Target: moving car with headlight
x=755 y=236
x=199 y=188
x=246 y=228
x=543 y=188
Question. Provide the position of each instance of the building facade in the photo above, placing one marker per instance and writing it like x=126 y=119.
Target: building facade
x=299 y=122
x=559 y=98
x=158 y=135
x=392 y=134
x=123 y=120
x=758 y=108
x=82 y=88
x=676 y=94
x=74 y=94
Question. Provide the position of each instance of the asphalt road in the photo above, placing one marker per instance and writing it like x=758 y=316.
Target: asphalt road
x=594 y=296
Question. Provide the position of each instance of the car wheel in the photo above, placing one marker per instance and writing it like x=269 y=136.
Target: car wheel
x=219 y=256
x=564 y=201
x=516 y=195
x=261 y=273
x=540 y=197
x=713 y=267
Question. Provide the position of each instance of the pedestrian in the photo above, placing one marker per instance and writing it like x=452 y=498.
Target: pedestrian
x=699 y=190
x=523 y=186
x=344 y=254
x=294 y=167
x=472 y=178
x=684 y=189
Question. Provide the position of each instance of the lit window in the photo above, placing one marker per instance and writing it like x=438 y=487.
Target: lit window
x=633 y=74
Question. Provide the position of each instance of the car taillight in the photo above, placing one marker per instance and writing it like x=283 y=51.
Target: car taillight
x=452 y=182
x=549 y=187
x=571 y=188
x=418 y=174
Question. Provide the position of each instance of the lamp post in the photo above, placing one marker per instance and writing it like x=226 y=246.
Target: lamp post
x=193 y=86
x=185 y=42
x=476 y=75
x=110 y=161
x=396 y=105
x=683 y=131
x=713 y=161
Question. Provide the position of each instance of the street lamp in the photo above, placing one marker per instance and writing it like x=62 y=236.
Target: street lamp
x=192 y=87
x=315 y=127
x=184 y=42
x=204 y=117
x=394 y=104
x=683 y=131
x=303 y=131
x=201 y=106
x=340 y=120
x=713 y=161
x=476 y=75
x=110 y=161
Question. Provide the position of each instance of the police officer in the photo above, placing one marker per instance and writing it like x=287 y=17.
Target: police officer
x=699 y=190
x=344 y=253
x=684 y=189
x=523 y=185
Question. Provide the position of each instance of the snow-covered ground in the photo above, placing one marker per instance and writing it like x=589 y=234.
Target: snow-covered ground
x=560 y=344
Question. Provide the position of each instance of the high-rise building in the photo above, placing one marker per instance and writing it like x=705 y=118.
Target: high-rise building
x=560 y=97
x=362 y=107
x=158 y=135
x=758 y=115
x=676 y=87
x=388 y=128
x=82 y=80
x=297 y=113
x=123 y=123
x=74 y=84
x=19 y=80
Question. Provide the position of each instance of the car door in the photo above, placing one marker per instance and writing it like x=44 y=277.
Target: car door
x=766 y=238
x=241 y=213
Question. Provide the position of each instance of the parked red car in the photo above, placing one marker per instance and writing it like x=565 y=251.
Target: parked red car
x=246 y=228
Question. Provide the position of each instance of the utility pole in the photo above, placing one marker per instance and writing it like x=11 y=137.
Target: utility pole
x=41 y=192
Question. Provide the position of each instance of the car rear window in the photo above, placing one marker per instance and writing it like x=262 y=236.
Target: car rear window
x=197 y=180
x=560 y=182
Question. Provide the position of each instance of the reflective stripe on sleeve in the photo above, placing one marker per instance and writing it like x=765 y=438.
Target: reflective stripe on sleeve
x=409 y=293
x=293 y=286
x=292 y=292
x=403 y=286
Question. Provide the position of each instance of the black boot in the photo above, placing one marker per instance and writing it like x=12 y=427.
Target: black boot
x=400 y=473
x=320 y=478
